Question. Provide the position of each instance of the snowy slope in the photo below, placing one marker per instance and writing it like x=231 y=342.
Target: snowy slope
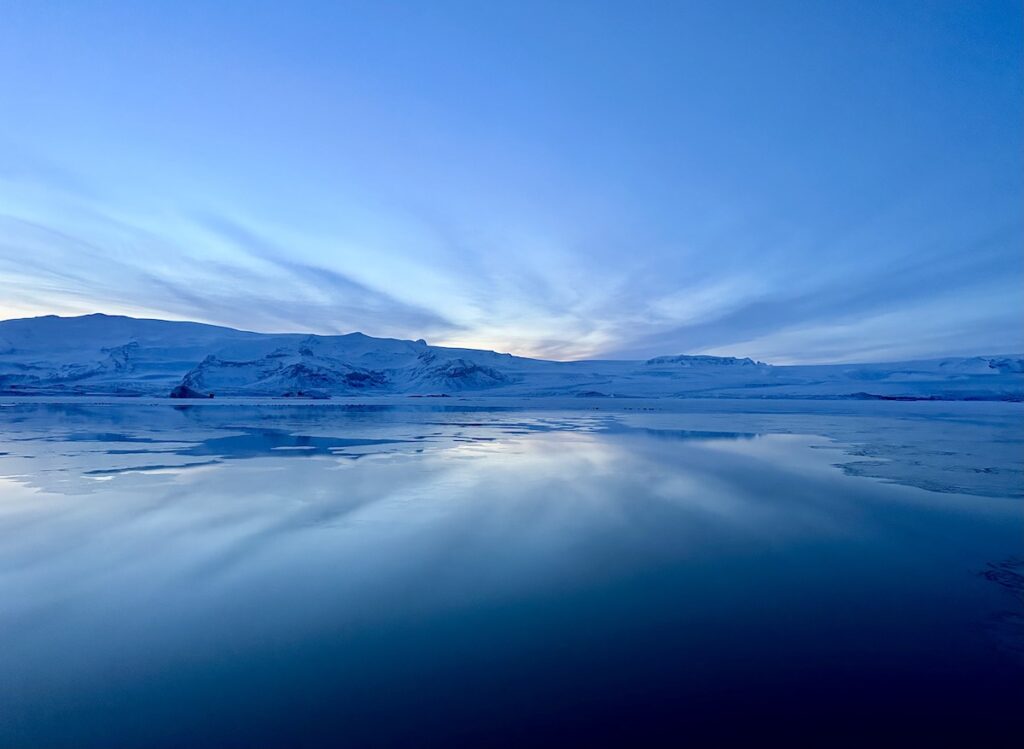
x=105 y=355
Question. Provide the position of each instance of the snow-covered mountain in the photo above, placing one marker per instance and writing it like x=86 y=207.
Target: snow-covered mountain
x=111 y=355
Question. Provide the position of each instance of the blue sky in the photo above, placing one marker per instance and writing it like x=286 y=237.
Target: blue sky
x=794 y=181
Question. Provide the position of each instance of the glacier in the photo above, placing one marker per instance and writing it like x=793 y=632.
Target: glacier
x=108 y=355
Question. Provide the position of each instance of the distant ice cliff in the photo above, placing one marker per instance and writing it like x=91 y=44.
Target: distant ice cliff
x=112 y=355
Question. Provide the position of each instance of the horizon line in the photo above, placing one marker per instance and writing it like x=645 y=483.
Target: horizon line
x=495 y=351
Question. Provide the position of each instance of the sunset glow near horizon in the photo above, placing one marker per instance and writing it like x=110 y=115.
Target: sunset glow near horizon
x=789 y=181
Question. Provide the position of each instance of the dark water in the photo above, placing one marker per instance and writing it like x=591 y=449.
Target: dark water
x=221 y=576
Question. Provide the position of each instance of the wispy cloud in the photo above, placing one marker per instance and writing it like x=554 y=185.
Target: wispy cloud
x=232 y=274
x=49 y=269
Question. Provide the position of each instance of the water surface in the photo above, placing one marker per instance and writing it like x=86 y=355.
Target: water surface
x=453 y=575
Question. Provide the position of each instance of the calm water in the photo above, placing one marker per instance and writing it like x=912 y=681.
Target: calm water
x=381 y=576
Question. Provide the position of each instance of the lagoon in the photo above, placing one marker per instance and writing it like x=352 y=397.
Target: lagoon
x=488 y=574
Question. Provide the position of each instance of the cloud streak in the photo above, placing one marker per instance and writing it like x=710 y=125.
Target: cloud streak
x=46 y=268
x=242 y=278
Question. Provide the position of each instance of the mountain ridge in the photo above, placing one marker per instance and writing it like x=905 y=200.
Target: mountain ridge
x=102 y=354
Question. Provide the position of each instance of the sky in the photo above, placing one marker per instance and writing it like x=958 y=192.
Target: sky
x=793 y=181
